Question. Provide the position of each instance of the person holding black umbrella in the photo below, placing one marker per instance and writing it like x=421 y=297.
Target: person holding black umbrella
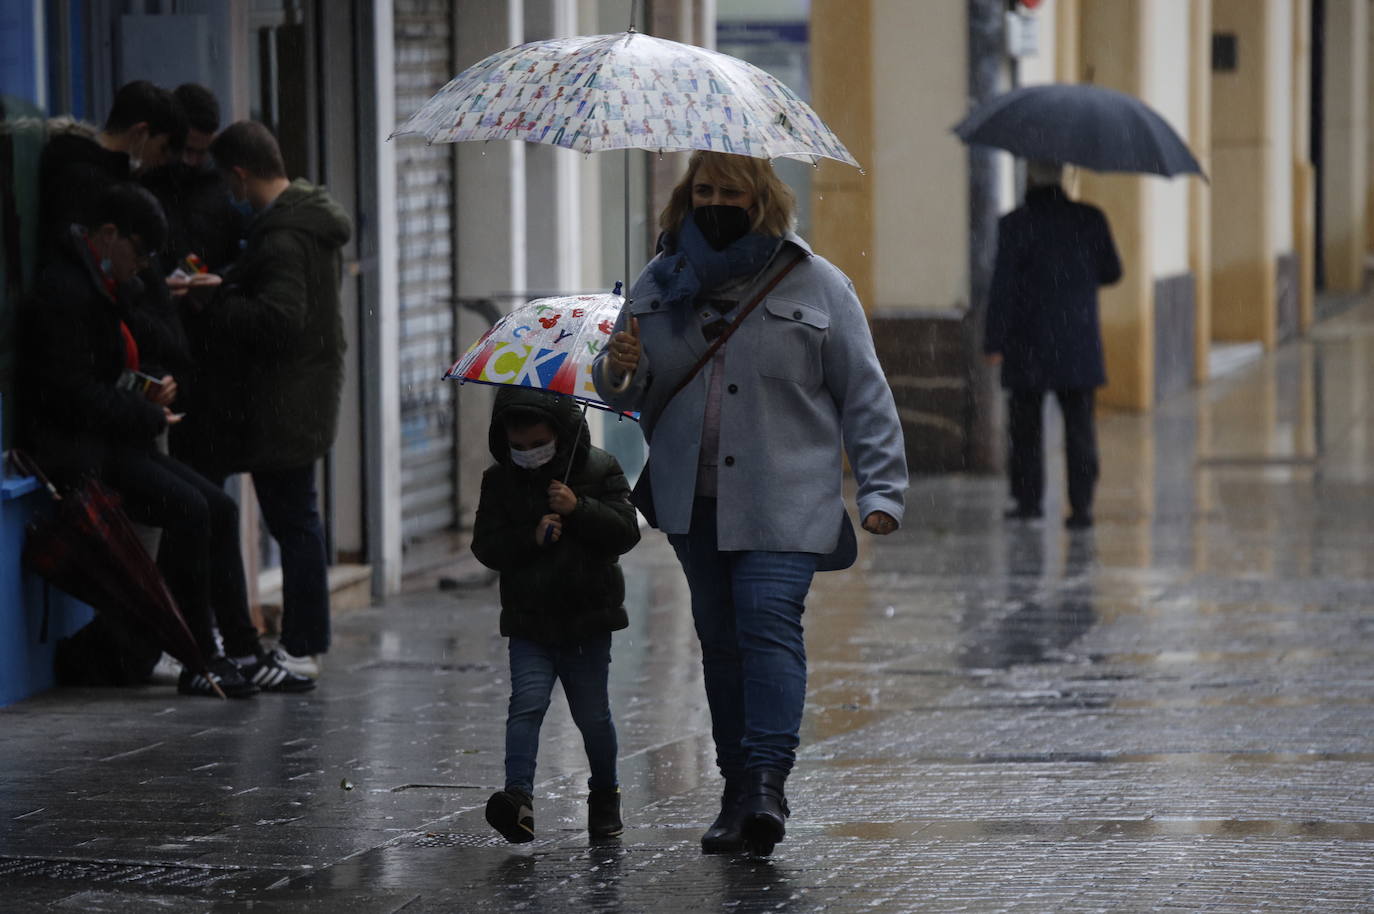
x=1043 y=330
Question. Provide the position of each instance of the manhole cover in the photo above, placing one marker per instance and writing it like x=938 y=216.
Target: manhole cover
x=432 y=667
x=440 y=840
x=111 y=871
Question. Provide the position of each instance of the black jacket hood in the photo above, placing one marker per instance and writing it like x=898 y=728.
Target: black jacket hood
x=563 y=413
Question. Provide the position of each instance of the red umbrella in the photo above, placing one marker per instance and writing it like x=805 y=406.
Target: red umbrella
x=87 y=547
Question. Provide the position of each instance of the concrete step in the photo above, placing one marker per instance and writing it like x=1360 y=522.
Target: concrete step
x=350 y=587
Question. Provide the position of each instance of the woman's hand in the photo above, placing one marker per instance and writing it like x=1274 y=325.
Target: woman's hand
x=880 y=523
x=562 y=500
x=171 y=417
x=165 y=393
x=549 y=531
x=625 y=350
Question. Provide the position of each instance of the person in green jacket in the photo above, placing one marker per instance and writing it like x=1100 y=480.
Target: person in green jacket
x=269 y=369
x=553 y=518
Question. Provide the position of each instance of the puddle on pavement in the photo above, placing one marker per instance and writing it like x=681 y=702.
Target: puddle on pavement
x=1058 y=829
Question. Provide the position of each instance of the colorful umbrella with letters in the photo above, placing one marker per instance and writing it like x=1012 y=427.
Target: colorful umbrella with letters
x=548 y=343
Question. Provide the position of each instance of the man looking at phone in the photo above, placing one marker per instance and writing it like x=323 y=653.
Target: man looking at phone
x=87 y=408
x=269 y=352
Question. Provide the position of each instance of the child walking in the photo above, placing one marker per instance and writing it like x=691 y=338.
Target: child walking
x=562 y=592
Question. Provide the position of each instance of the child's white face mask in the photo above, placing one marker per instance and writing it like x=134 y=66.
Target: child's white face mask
x=535 y=457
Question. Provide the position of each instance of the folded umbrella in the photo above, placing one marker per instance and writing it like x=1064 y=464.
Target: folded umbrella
x=1096 y=128
x=88 y=548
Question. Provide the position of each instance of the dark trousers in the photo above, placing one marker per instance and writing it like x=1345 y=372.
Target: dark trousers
x=1026 y=462
x=290 y=506
x=583 y=668
x=199 y=554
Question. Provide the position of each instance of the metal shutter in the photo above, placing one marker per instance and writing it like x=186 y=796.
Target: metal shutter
x=424 y=199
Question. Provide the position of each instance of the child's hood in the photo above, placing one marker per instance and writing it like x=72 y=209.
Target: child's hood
x=563 y=413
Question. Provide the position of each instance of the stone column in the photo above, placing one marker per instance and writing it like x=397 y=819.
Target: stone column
x=1345 y=169
x=1243 y=157
x=1113 y=52
x=489 y=219
x=1304 y=174
x=1199 y=191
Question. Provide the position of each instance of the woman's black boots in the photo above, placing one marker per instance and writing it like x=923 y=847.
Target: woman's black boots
x=725 y=836
x=765 y=811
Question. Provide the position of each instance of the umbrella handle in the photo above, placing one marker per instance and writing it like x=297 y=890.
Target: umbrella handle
x=25 y=465
x=577 y=439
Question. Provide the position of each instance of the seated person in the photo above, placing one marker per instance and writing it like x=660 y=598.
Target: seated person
x=83 y=412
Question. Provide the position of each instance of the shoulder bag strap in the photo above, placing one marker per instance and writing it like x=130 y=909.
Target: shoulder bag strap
x=730 y=330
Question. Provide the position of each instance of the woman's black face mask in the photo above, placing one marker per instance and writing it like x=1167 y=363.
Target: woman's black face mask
x=721 y=226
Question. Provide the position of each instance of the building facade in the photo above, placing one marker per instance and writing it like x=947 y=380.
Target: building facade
x=1273 y=96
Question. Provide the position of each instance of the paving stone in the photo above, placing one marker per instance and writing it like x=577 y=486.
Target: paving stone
x=1174 y=712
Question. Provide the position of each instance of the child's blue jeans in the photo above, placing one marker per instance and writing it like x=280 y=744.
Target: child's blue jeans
x=583 y=668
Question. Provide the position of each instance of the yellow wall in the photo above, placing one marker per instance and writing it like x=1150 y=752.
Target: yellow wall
x=1345 y=171
x=842 y=77
x=1243 y=160
x=1112 y=35
x=1199 y=191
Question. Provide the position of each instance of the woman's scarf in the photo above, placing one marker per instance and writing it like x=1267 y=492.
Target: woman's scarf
x=689 y=265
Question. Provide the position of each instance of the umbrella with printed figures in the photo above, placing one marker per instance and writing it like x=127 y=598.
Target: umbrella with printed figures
x=626 y=91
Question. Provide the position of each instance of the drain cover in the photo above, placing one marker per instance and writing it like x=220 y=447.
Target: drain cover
x=432 y=667
x=440 y=840
x=107 y=871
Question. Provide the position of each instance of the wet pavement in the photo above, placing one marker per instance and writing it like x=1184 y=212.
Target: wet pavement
x=1174 y=711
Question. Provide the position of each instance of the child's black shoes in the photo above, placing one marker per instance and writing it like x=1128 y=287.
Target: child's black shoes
x=511 y=812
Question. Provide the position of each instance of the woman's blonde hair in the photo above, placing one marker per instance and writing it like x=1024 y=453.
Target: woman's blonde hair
x=775 y=206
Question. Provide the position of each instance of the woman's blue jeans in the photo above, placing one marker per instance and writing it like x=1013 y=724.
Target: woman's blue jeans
x=583 y=668
x=747 y=607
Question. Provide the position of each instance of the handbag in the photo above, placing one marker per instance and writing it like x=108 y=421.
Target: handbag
x=642 y=495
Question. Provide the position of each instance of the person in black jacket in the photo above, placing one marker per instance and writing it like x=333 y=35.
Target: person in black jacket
x=201 y=217
x=79 y=162
x=556 y=545
x=1044 y=331
x=85 y=409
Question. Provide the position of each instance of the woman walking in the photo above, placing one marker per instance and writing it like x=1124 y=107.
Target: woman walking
x=750 y=361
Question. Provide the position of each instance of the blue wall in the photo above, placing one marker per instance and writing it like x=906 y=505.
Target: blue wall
x=18 y=51
x=25 y=658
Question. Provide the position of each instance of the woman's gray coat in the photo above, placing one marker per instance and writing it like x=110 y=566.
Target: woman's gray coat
x=801 y=378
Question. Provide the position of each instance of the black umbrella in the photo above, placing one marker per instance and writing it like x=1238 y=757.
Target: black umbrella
x=1096 y=128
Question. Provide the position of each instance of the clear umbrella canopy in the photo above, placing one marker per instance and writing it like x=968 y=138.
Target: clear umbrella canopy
x=626 y=91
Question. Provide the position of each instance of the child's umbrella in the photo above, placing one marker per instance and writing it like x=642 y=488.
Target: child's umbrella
x=550 y=344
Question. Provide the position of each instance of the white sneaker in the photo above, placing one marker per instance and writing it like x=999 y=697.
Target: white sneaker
x=167 y=671
x=308 y=665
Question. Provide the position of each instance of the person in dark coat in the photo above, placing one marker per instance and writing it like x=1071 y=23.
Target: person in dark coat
x=201 y=218
x=269 y=358
x=79 y=162
x=1044 y=331
x=84 y=411
x=553 y=518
